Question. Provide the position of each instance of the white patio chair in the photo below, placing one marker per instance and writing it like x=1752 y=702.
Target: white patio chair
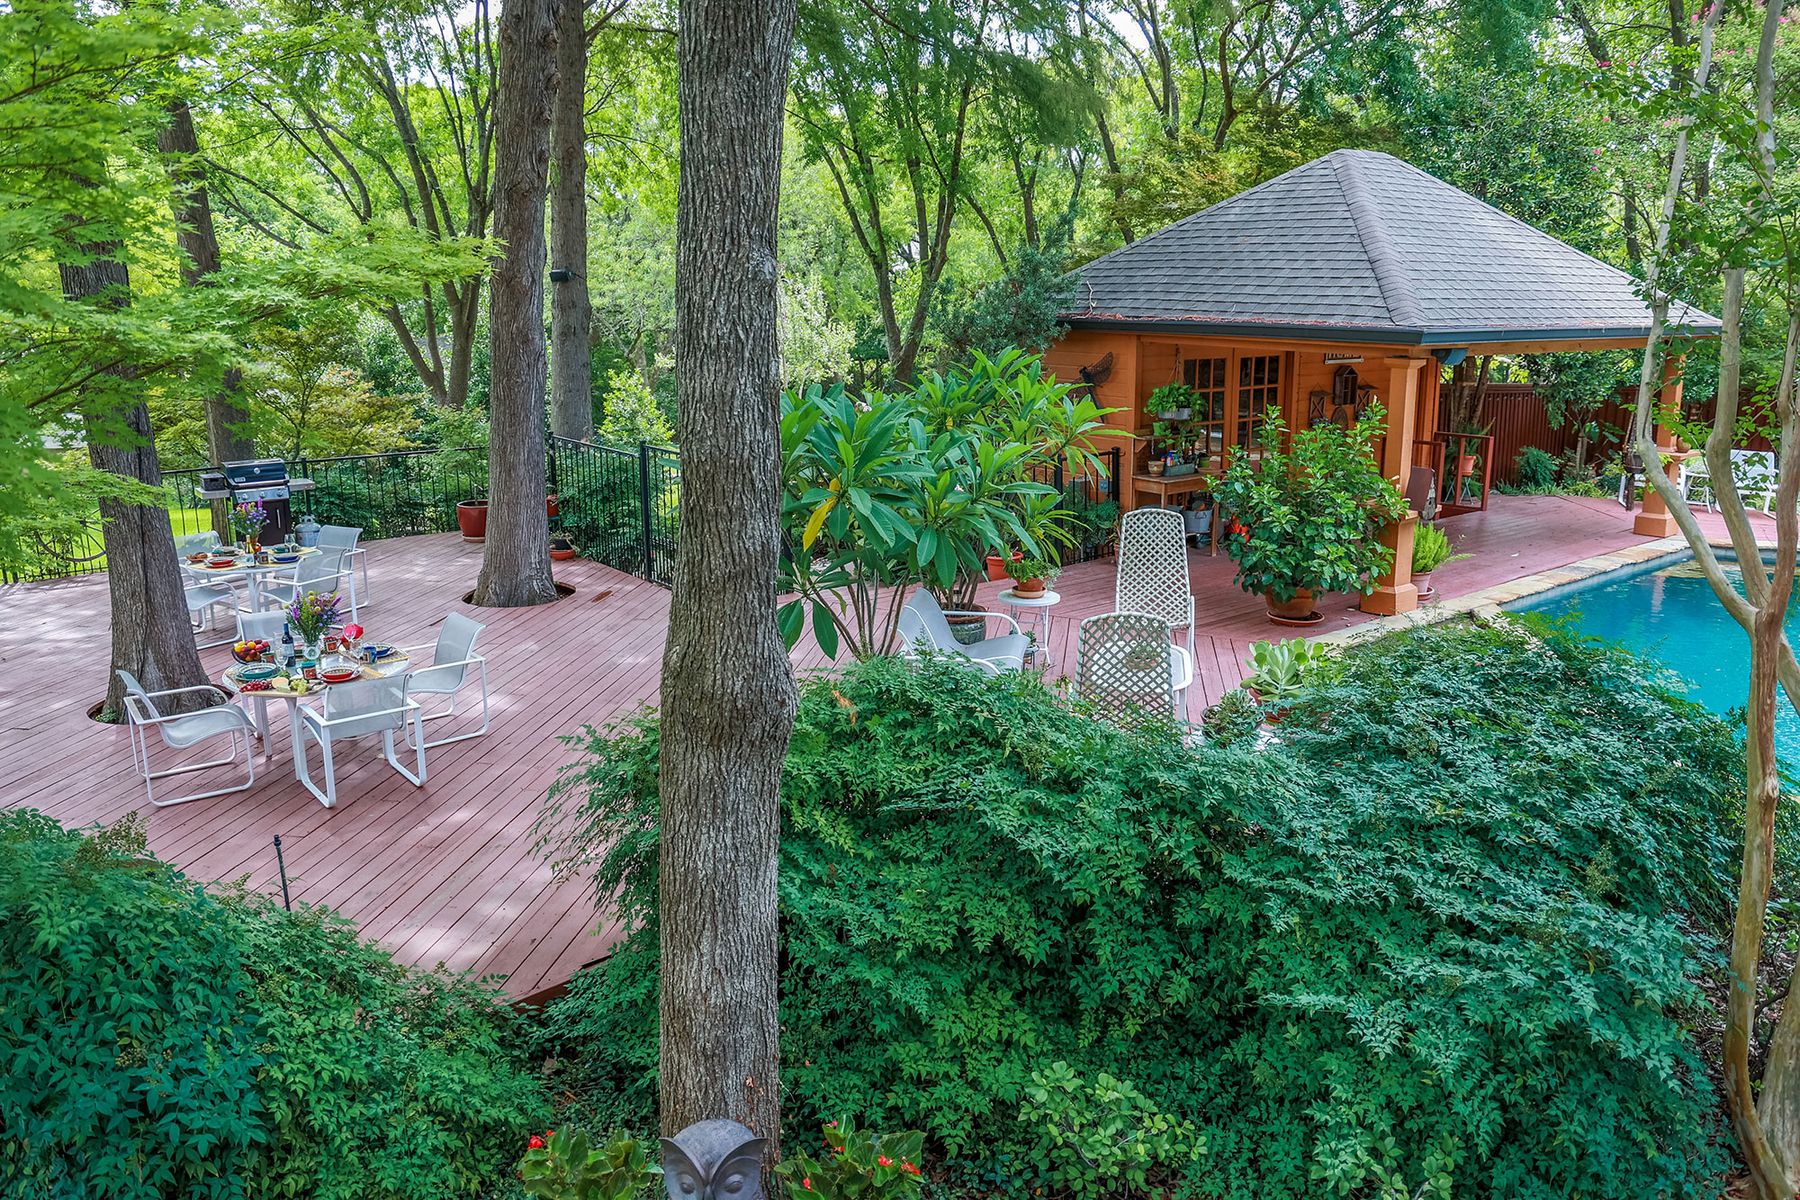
x=1752 y=470
x=179 y=731
x=321 y=572
x=344 y=537
x=355 y=710
x=203 y=602
x=1127 y=664
x=924 y=627
x=1153 y=569
x=453 y=660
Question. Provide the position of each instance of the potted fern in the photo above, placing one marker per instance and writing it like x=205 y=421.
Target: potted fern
x=1431 y=550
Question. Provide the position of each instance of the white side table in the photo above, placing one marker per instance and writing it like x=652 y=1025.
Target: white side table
x=1022 y=607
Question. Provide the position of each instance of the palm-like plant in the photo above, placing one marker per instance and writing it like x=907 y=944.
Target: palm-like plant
x=919 y=486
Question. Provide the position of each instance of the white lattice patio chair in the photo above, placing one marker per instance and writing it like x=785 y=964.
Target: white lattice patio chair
x=356 y=710
x=356 y=559
x=179 y=731
x=924 y=628
x=453 y=664
x=1153 y=569
x=1127 y=665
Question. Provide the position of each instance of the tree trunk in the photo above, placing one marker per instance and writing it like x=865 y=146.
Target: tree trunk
x=515 y=561
x=151 y=637
x=727 y=687
x=571 y=313
x=227 y=434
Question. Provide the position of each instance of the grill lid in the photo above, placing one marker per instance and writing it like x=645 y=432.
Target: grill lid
x=259 y=472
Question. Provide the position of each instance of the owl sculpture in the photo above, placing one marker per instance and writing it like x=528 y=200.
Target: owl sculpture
x=713 y=1160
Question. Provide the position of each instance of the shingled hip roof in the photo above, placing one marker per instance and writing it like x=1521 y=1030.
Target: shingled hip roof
x=1360 y=246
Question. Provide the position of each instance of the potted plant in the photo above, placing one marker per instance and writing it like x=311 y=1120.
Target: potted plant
x=1306 y=516
x=471 y=519
x=1173 y=402
x=996 y=566
x=1431 y=550
x=1030 y=574
x=561 y=548
x=1280 y=671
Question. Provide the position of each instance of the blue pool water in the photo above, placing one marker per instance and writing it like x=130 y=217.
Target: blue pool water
x=1668 y=613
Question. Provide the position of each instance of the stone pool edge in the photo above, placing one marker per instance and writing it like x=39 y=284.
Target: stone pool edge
x=1486 y=603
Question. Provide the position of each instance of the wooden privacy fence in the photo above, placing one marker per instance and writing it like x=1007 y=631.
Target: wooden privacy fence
x=1517 y=418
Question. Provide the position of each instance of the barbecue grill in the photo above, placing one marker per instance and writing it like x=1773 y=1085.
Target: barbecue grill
x=261 y=479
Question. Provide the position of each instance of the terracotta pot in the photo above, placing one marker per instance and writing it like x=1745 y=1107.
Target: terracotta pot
x=562 y=553
x=1423 y=583
x=1028 y=589
x=1467 y=464
x=1300 y=608
x=996 y=566
x=471 y=519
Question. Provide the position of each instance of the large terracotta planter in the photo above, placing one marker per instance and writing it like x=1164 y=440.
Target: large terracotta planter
x=996 y=566
x=471 y=519
x=1299 y=610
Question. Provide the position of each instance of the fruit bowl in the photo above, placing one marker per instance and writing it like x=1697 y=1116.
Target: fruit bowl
x=250 y=651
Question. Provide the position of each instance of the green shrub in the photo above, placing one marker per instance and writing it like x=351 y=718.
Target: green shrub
x=1444 y=942
x=163 y=1041
x=1535 y=469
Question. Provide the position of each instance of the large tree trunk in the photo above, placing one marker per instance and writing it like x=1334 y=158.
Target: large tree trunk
x=515 y=562
x=151 y=637
x=727 y=687
x=227 y=432
x=571 y=313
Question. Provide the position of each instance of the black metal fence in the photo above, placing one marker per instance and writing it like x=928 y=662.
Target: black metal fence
x=619 y=505
x=622 y=507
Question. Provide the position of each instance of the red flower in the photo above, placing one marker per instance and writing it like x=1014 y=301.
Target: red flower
x=549 y=1133
x=536 y=1142
x=908 y=1167
x=884 y=1161
x=806 y=1182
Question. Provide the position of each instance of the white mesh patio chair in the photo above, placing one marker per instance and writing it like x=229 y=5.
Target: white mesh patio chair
x=321 y=572
x=357 y=710
x=356 y=559
x=454 y=664
x=203 y=602
x=179 y=731
x=1153 y=568
x=1128 y=666
x=924 y=628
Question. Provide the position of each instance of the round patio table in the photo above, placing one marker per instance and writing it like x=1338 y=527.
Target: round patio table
x=252 y=573
x=259 y=700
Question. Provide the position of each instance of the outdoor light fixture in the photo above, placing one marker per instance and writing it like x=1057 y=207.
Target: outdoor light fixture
x=1448 y=357
x=561 y=274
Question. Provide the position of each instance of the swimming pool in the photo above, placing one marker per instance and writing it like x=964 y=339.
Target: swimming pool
x=1666 y=611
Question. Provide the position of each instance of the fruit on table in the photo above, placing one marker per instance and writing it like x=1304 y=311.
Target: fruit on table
x=256 y=685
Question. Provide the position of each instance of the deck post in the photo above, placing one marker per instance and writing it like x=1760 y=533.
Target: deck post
x=1395 y=592
x=1655 y=519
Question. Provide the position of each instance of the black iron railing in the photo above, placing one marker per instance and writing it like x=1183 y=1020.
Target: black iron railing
x=619 y=505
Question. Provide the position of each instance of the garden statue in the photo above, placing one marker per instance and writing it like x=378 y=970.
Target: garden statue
x=713 y=1160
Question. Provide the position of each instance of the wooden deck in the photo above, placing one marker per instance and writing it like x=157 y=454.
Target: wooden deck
x=445 y=873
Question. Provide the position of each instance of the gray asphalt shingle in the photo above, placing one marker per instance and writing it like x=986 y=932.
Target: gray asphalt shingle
x=1358 y=243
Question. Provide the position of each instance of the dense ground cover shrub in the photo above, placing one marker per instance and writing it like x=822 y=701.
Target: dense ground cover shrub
x=1443 y=944
x=158 y=1040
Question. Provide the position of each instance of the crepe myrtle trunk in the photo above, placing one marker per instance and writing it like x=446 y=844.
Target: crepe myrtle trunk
x=151 y=637
x=515 y=561
x=727 y=687
x=571 y=313
x=227 y=415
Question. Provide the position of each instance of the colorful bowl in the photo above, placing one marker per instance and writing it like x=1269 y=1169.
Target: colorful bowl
x=378 y=652
x=251 y=671
x=339 y=674
x=285 y=558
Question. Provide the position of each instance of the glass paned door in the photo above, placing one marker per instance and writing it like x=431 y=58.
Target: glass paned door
x=1259 y=392
x=1208 y=376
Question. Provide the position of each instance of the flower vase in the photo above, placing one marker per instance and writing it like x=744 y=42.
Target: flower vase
x=255 y=545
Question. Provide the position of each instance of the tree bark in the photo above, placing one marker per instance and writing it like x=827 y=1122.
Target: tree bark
x=227 y=416
x=515 y=561
x=151 y=637
x=571 y=312
x=727 y=686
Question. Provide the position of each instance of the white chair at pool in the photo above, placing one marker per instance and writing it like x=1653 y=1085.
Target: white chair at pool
x=179 y=731
x=1753 y=471
x=924 y=628
x=453 y=662
x=355 y=710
